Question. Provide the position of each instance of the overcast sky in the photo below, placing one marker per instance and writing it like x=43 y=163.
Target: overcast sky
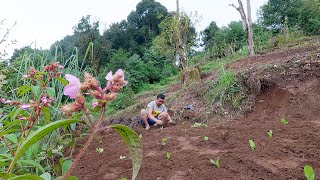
x=44 y=21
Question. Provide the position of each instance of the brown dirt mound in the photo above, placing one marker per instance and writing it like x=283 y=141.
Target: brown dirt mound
x=293 y=92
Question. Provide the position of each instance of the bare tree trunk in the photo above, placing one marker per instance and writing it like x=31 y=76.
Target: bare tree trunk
x=179 y=49
x=246 y=24
x=242 y=14
x=250 y=33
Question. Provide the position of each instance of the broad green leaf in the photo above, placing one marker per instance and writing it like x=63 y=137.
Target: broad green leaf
x=26 y=177
x=51 y=92
x=36 y=90
x=46 y=176
x=12 y=137
x=37 y=135
x=46 y=114
x=66 y=166
x=62 y=80
x=33 y=163
x=72 y=178
x=22 y=90
x=308 y=172
x=134 y=145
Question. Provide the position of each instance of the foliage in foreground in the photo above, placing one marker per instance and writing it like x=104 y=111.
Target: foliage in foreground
x=26 y=121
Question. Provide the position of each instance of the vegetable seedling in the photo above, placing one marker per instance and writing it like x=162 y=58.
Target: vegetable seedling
x=269 y=133
x=122 y=157
x=205 y=138
x=252 y=145
x=284 y=121
x=168 y=155
x=308 y=172
x=99 y=150
x=164 y=141
x=199 y=125
x=215 y=162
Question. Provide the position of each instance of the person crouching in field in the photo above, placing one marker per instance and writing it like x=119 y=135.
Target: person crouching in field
x=156 y=113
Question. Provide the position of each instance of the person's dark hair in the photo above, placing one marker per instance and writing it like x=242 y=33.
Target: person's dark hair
x=161 y=96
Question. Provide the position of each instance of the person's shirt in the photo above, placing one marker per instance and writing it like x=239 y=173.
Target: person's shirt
x=156 y=110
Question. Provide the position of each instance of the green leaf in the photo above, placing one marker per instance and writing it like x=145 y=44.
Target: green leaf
x=12 y=137
x=37 y=135
x=252 y=145
x=308 y=172
x=66 y=166
x=51 y=92
x=6 y=175
x=284 y=121
x=22 y=90
x=46 y=176
x=62 y=80
x=72 y=178
x=26 y=177
x=46 y=114
x=33 y=163
x=134 y=145
x=205 y=138
x=15 y=113
x=36 y=90
x=269 y=133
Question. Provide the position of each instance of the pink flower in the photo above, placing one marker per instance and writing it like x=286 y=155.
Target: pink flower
x=73 y=87
x=94 y=104
x=25 y=106
x=44 y=100
x=25 y=76
x=116 y=81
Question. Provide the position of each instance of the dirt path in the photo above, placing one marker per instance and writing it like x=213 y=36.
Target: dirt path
x=295 y=95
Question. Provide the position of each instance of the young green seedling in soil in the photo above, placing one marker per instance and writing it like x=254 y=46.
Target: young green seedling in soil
x=199 y=125
x=284 y=121
x=205 y=138
x=308 y=172
x=122 y=157
x=168 y=155
x=164 y=141
x=252 y=145
x=99 y=150
x=215 y=162
x=269 y=133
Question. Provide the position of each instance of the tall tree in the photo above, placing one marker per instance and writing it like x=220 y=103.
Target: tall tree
x=246 y=24
x=274 y=13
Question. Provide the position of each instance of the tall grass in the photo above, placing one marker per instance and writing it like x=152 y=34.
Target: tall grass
x=223 y=89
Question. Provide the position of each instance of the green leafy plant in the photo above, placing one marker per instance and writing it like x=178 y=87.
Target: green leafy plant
x=252 y=145
x=31 y=118
x=168 y=155
x=99 y=150
x=284 y=121
x=308 y=172
x=205 y=138
x=199 y=125
x=270 y=133
x=215 y=162
x=164 y=141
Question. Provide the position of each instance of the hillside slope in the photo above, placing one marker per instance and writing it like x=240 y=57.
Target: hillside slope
x=281 y=84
